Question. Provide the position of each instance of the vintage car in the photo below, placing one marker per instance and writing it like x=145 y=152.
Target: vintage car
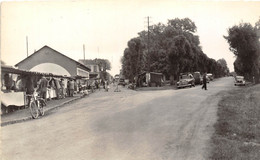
x=198 y=78
x=185 y=80
x=239 y=81
x=121 y=82
x=210 y=76
x=207 y=78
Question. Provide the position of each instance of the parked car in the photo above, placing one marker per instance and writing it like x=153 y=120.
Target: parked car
x=206 y=78
x=198 y=78
x=186 y=80
x=121 y=82
x=239 y=81
x=210 y=76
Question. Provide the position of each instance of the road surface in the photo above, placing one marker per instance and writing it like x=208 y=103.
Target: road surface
x=127 y=125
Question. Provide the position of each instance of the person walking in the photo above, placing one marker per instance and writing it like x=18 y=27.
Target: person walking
x=204 y=86
x=106 y=86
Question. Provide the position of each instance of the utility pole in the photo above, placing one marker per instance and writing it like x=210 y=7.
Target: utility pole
x=148 y=34
x=27 y=45
x=98 y=51
x=148 y=42
x=84 y=51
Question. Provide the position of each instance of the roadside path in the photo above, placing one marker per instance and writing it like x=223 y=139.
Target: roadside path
x=24 y=114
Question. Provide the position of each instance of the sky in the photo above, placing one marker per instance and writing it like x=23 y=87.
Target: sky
x=105 y=26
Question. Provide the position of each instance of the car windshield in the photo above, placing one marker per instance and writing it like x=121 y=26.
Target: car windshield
x=239 y=77
x=184 y=76
x=197 y=75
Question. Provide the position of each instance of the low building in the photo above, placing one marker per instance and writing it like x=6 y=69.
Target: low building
x=48 y=60
x=151 y=79
x=95 y=70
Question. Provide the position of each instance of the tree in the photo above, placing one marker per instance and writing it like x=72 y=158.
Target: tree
x=183 y=25
x=223 y=64
x=173 y=48
x=133 y=59
x=243 y=40
x=103 y=64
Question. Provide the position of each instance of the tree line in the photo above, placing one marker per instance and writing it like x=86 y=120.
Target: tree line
x=171 y=49
x=244 y=42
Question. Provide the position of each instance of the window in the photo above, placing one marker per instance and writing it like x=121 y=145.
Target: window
x=95 y=68
x=83 y=73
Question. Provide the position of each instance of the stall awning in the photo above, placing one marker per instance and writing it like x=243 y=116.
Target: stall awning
x=10 y=69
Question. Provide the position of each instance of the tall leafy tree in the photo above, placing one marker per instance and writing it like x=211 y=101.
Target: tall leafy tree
x=104 y=64
x=173 y=48
x=223 y=65
x=243 y=40
x=133 y=60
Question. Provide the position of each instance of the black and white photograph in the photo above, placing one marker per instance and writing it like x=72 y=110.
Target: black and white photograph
x=130 y=80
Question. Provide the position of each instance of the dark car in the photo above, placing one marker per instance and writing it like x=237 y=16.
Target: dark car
x=186 y=80
x=210 y=76
x=198 y=78
x=121 y=82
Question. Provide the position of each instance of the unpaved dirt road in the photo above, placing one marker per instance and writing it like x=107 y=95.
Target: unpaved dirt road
x=127 y=125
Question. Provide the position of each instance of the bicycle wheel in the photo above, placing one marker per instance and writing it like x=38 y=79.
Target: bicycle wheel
x=34 y=109
x=41 y=105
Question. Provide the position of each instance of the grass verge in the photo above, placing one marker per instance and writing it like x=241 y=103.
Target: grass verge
x=237 y=130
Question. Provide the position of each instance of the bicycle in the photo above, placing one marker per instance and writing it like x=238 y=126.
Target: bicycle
x=36 y=105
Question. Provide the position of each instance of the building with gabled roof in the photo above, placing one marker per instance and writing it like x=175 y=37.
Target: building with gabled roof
x=49 y=60
x=95 y=69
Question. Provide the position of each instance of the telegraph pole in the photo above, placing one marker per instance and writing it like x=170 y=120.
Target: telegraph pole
x=27 y=45
x=84 y=51
x=148 y=33
x=148 y=43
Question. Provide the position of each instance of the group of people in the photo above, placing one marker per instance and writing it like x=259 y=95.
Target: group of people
x=47 y=87
x=96 y=84
x=62 y=87
x=50 y=87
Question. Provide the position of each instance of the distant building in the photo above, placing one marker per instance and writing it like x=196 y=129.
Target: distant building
x=95 y=70
x=49 y=60
x=2 y=62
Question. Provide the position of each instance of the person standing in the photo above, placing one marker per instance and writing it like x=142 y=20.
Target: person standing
x=96 y=84
x=204 y=86
x=29 y=85
x=8 y=82
x=71 y=87
x=68 y=88
x=49 y=89
x=43 y=87
x=75 y=86
x=58 y=88
x=63 y=89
